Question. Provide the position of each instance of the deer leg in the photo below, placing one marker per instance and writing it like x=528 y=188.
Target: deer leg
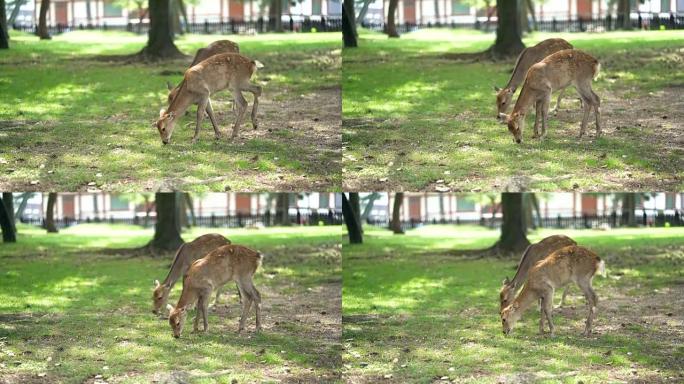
x=256 y=91
x=205 y=311
x=541 y=316
x=545 y=113
x=548 y=309
x=558 y=101
x=219 y=291
x=565 y=294
x=592 y=301
x=210 y=112
x=246 y=304
x=256 y=295
x=201 y=107
x=198 y=310
x=537 y=116
x=241 y=107
x=597 y=113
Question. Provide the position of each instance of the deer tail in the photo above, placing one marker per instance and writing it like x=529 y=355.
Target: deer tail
x=602 y=268
x=597 y=69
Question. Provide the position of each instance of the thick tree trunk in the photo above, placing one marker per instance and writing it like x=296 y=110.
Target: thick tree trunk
x=9 y=234
x=355 y=203
x=369 y=206
x=42 y=20
x=391 y=13
x=160 y=37
x=352 y=222
x=184 y=13
x=275 y=13
x=50 y=214
x=190 y=209
x=8 y=200
x=4 y=32
x=166 y=234
x=349 y=35
x=363 y=11
x=623 y=11
x=22 y=205
x=15 y=11
x=508 y=37
x=513 y=237
x=628 y=209
x=282 y=208
x=395 y=224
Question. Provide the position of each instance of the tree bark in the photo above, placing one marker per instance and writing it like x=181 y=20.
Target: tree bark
x=623 y=11
x=391 y=13
x=42 y=20
x=160 y=37
x=15 y=11
x=166 y=234
x=190 y=209
x=628 y=216
x=530 y=7
x=513 y=237
x=184 y=13
x=349 y=35
x=8 y=200
x=50 y=215
x=363 y=11
x=395 y=225
x=4 y=33
x=352 y=222
x=275 y=13
x=22 y=205
x=355 y=203
x=508 y=37
x=9 y=235
x=282 y=209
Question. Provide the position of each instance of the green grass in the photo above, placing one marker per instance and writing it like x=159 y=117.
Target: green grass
x=70 y=311
x=416 y=311
x=412 y=117
x=69 y=117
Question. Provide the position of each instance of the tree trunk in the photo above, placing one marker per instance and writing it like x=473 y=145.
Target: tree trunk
x=147 y=210
x=9 y=234
x=352 y=222
x=160 y=37
x=508 y=38
x=4 y=32
x=166 y=234
x=349 y=35
x=89 y=14
x=190 y=209
x=391 y=13
x=275 y=13
x=282 y=209
x=436 y=2
x=628 y=209
x=50 y=216
x=524 y=23
x=530 y=8
x=42 y=20
x=15 y=11
x=184 y=13
x=9 y=206
x=623 y=11
x=513 y=237
x=369 y=206
x=22 y=205
x=395 y=224
x=363 y=11
x=175 y=18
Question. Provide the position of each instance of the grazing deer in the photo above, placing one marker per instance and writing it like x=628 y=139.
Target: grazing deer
x=557 y=71
x=527 y=58
x=564 y=266
x=230 y=262
x=215 y=48
x=227 y=70
x=186 y=254
x=532 y=255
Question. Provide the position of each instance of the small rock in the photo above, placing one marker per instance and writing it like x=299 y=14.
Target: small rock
x=363 y=364
x=383 y=179
x=387 y=376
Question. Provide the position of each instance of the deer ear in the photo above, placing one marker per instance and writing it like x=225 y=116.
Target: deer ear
x=162 y=112
x=497 y=88
x=169 y=85
x=506 y=281
x=156 y=283
x=169 y=307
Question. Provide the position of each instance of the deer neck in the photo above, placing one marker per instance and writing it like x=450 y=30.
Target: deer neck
x=524 y=301
x=187 y=298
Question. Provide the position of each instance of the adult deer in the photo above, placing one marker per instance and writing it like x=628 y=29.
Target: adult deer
x=216 y=48
x=564 y=266
x=230 y=262
x=527 y=58
x=532 y=255
x=187 y=253
x=561 y=69
x=227 y=70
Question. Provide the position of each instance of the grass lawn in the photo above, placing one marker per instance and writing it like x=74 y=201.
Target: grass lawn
x=414 y=119
x=69 y=311
x=71 y=119
x=414 y=311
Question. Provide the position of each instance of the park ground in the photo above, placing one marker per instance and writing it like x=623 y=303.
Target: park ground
x=416 y=118
x=74 y=310
x=415 y=310
x=74 y=116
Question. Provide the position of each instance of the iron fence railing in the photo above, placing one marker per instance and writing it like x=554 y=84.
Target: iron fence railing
x=607 y=23
x=267 y=219
x=612 y=220
x=301 y=24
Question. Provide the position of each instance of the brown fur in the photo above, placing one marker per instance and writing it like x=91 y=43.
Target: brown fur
x=527 y=58
x=230 y=262
x=557 y=71
x=215 y=48
x=532 y=255
x=225 y=71
x=564 y=266
x=186 y=254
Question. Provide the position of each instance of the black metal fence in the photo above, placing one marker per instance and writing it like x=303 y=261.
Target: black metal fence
x=607 y=23
x=612 y=220
x=301 y=24
x=267 y=219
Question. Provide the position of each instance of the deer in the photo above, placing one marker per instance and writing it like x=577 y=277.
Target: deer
x=185 y=255
x=227 y=70
x=226 y=263
x=528 y=57
x=215 y=48
x=557 y=71
x=530 y=257
x=564 y=266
